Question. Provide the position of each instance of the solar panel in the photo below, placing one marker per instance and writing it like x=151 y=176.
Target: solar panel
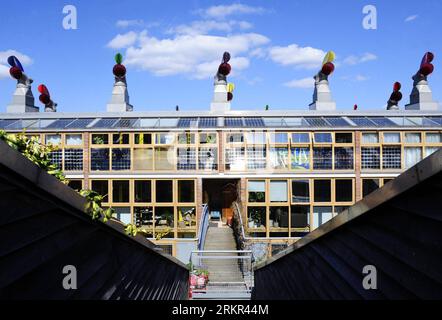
x=7 y=122
x=383 y=122
x=316 y=122
x=79 y=123
x=431 y=122
x=105 y=123
x=207 y=122
x=337 y=121
x=59 y=124
x=233 y=122
x=254 y=122
x=187 y=122
x=438 y=120
x=125 y=123
x=362 y=122
x=22 y=124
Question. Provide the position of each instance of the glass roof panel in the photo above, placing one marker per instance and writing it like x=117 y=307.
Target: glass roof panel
x=59 y=124
x=316 y=122
x=125 y=123
x=233 y=122
x=382 y=121
x=22 y=124
x=362 y=122
x=296 y=122
x=105 y=123
x=187 y=122
x=208 y=122
x=7 y=122
x=168 y=122
x=80 y=123
x=438 y=120
x=337 y=121
x=274 y=122
x=148 y=122
x=254 y=122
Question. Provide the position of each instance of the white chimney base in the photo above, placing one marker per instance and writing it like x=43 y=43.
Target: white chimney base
x=421 y=97
x=22 y=100
x=120 y=98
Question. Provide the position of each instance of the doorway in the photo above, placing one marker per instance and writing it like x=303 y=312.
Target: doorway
x=219 y=194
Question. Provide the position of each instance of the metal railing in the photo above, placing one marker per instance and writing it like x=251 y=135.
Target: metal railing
x=221 y=274
x=204 y=225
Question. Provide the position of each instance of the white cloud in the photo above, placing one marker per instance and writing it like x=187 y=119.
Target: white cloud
x=4 y=66
x=223 y=11
x=304 y=83
x=123 y=40
x=411 y=18
x=354 y=59
x=194 y=55
x=360 y=77
x=129 y=23
x=356 y=78
x=205 y=26
x=300 y=57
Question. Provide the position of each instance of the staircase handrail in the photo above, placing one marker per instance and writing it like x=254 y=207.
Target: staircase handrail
x=204 y=225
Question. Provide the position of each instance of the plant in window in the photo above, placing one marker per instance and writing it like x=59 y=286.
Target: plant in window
x=210 y=138
x=98 y=139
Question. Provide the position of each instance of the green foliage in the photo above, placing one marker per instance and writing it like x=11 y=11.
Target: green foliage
x=93 y=206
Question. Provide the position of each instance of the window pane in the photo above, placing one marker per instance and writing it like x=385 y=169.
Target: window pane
x=100 y=159
x=343 y=137
x=186 y=191
x=164 y=138
x=143 y=138
x=321 y=215
x=300 y=191
x=74 y=139
x=256 y=190
x=143 y=190
x=100 y=139
x=75 y=184
x=412 y=137
x=120 y=138
x=300 y=138
x=162 y=159
x=279 y=158
x=73 y=159
x=164 y=217
x=123 y=214
x=186 y=158
x=120 y=191
x=278 y=191
x=56 y=157
x=412 y=156
x=343 y=158
x=164 y=190
x=186 y=217
x=54 y=139
x=143 y=216
x=101 y=187
x=300 y=158
x=234 y=137
x=371 y=158
x=391 y=157
x=323 y=137
x=279 y=137
x=256 y=158
x=322 y=190
x=339 y=209
x=207 y=158
x=207 y=138
x=279 y=217
x=344 y=190
x=143 y=159
x=322 y=158
x=256 y=138
x=433 y=137
x=430 y=150
x=300 y=216
x=186 y=138
x=370 y=137
x=235 y=159
x=121 y=159
x=392 y=137
x=369 y=185
x=256 y=217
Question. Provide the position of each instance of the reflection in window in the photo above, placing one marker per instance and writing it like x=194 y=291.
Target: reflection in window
x=322 y=189
x=186 y=191
x=256 y=190
x=73 y=159
x=256 y=217
x=344 y=190
x=207 y=159
x=370 y=137
x=433 y=137
x=121 y=159
x=412 y=137
x=391 y=157
x=322 y=158
x=162 y=159
x=164 y=138
x=300 y=158
x=186 y=158
x=102 y=188
x=430 y=150
x=143 y=190
x=235 y=159
x=53 y=139
x=323 y=137
x=321 y=215
x=279 y=137
x=371 y=157
x=369 y=185
x=143 y=159
x=300 y=191
x=343 y=158
x=279 y=158
x=279 y=217
x=100 y=159
x=123 y=214
x=278 y=191
x=164 y=190
x=300 y=138
x=256 y=158
x=74 y=139
x=120 y=190
x=412 y=156
x=392 y=137
x=300 y=216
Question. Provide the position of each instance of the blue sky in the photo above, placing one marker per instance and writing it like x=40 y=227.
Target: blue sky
x=172 y=49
